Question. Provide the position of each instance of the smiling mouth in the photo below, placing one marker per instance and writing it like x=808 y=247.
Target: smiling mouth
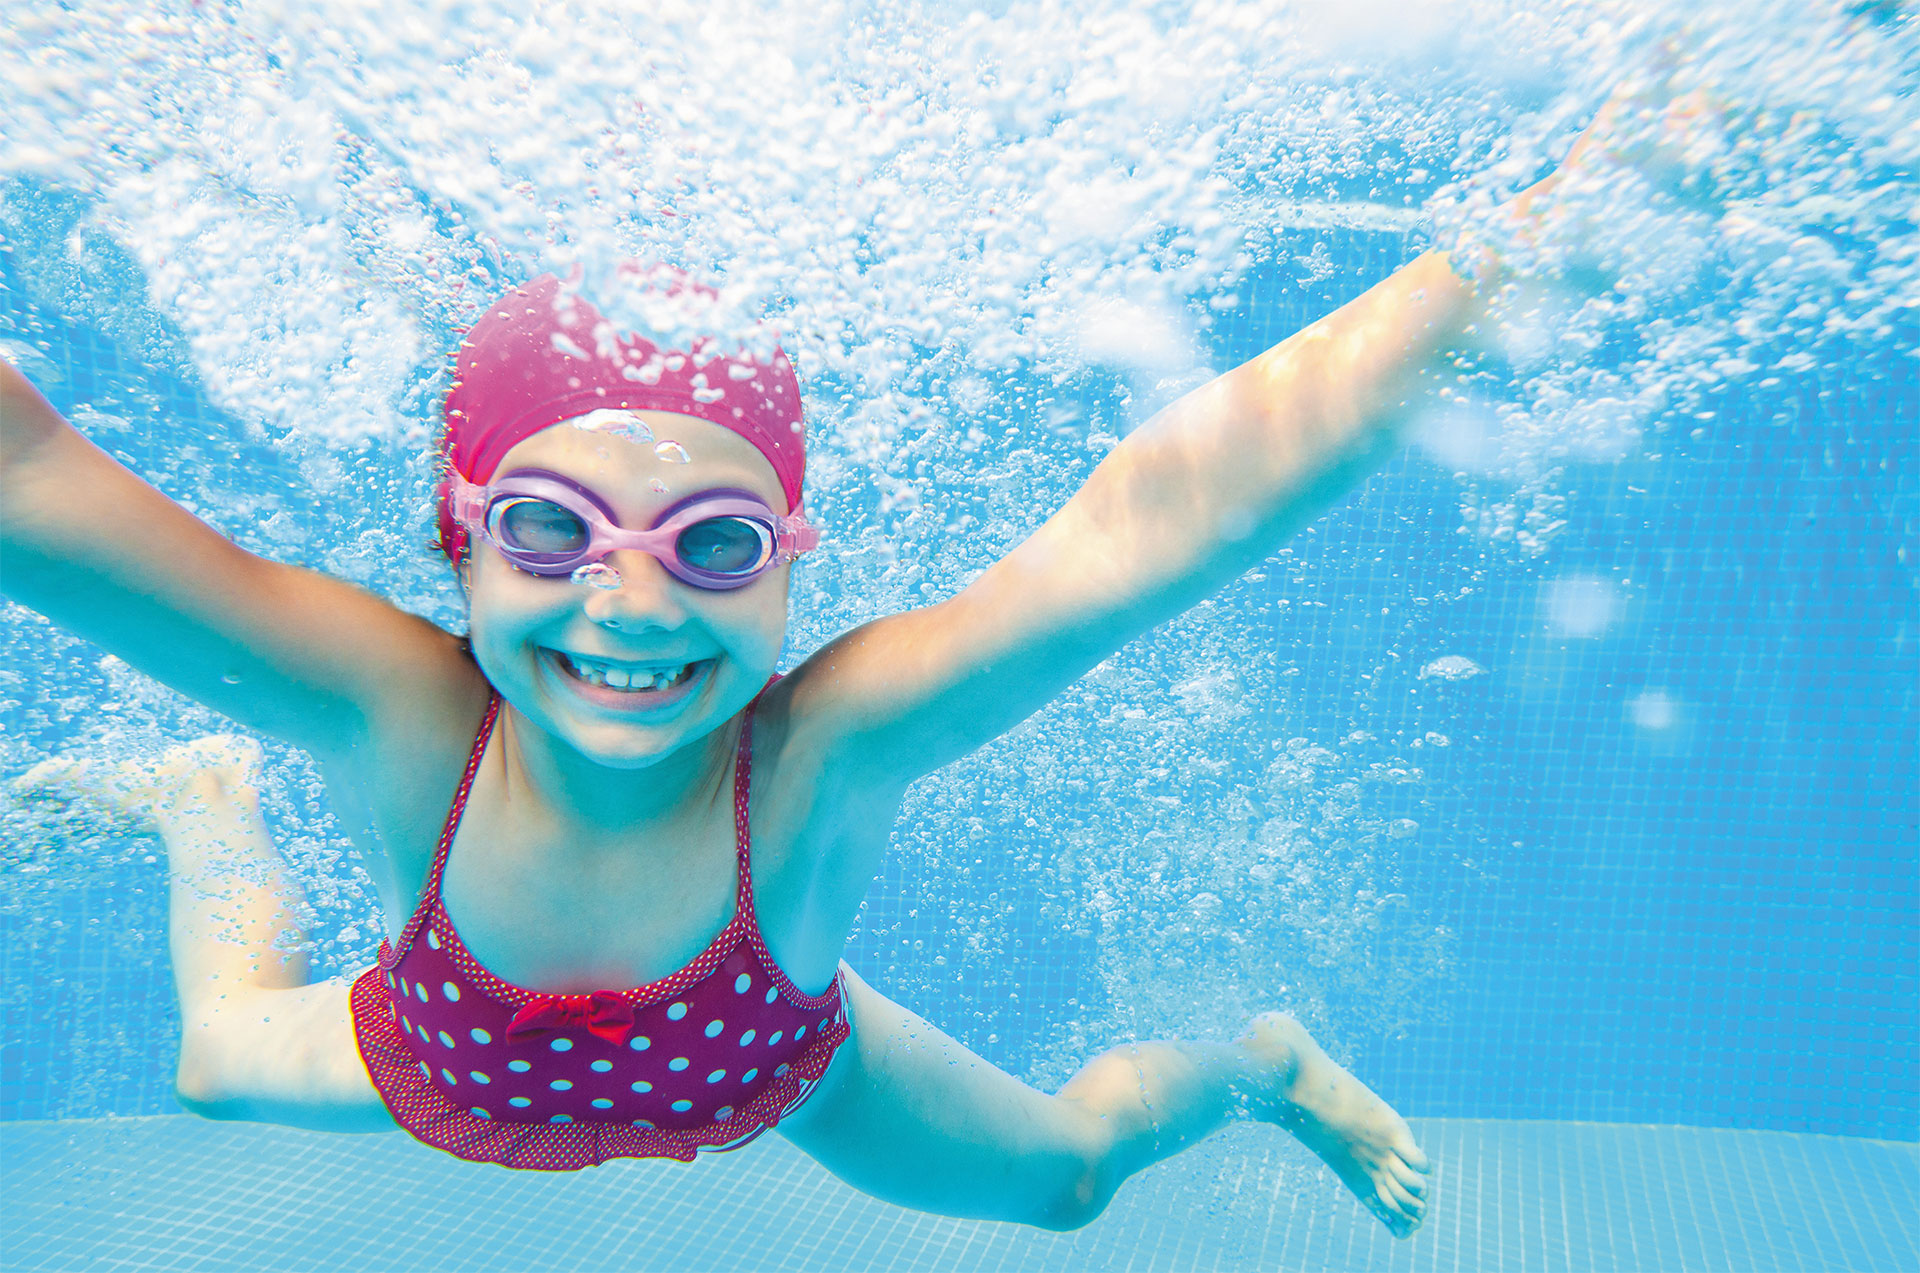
x=628 y=678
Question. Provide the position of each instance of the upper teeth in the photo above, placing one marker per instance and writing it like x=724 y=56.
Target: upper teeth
x=623 y=678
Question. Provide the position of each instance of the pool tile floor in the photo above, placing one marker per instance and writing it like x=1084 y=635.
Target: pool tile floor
x=177 y=1193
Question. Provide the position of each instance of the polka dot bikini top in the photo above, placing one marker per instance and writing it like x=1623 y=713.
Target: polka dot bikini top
x=705 y=1059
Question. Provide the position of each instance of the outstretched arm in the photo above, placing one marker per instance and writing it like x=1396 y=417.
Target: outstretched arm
x=1196 y=496
x=292 y=653
x=1199 y=494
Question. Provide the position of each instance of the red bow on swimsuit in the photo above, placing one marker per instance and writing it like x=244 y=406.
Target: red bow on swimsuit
x=603 y=1013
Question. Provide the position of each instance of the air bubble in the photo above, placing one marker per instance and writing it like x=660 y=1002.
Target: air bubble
x=619 y=424
x=671 y=452
x=597 y=574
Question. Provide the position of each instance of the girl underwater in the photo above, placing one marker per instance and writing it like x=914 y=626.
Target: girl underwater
x=618 y=858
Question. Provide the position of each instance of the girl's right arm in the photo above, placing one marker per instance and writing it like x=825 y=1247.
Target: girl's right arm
x=286 y=651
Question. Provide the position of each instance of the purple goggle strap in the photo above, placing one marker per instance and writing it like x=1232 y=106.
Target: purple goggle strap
x=793 y=534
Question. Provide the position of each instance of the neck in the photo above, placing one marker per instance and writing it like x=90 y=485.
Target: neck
x=592 y=801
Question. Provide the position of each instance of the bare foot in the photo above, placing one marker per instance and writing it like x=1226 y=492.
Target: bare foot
x=1339 y=1118
x=147 y=790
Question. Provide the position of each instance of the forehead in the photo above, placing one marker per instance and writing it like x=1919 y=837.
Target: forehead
x=686 y=454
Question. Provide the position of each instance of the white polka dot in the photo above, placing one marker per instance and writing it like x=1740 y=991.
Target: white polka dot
x=390 y=980
x=716 y=1076
x=678 y=1063
x=561 y=1085
x=519 y=1102
x=773 y=1040
x=419 y=992
x=448 y=1076
x=518 y=1067
x=800 y=1034
x=639 y=1043
x=406 y=1024
x=714 y=1028
x=676 y=1011
x=424 y=1036
x=772 y=994
x=643 y=1086
x=641 y=1122
x=451 y=991
x=601 y=1067
x=477 y=1112
x=750 y=1076
x=446 y=1040
x=722 y=1114
x=682 y=1106
x=405 y=989
x=426 y=1069
x=433 y=940
x=782 y=1071
x=478 y=1077
x=561 y=1118
x=742 y=984
x=746 y=1038
x=561 y=1045
x=603 y=1103
x=480 y=1036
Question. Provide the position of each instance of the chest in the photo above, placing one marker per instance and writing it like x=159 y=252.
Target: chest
x=552 y=913
x=539 y=912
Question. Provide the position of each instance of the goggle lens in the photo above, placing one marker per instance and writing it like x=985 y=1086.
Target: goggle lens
x=539 y=527
x=725 y=545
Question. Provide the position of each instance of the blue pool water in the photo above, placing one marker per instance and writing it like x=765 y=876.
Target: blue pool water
x=1562 y=779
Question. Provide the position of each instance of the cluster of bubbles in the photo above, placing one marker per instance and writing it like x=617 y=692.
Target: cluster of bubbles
x=993 y=242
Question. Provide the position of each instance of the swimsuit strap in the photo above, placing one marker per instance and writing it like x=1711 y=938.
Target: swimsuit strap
x=432 y=890
x=742 y=787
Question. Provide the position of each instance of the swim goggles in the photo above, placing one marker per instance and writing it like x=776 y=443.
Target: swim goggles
x=549 y=525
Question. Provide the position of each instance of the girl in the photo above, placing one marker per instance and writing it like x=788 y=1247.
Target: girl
x=619 y=858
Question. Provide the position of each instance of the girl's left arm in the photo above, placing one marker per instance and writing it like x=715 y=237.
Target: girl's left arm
x=1195 y=497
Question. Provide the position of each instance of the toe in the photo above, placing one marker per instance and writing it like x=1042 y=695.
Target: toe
x=1405 y=1203
x=78 y=781
x=1401 y=1216
x=1415 y=1157
x=1388 y=1214
x=47 y=778
x=1412 y=1181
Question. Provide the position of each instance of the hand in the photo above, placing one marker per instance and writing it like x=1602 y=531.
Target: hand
x=1669 y=156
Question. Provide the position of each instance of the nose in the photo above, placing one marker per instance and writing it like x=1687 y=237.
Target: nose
x=647 y=597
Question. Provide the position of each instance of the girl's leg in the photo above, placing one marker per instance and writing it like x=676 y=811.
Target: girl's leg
x=257 y=1041
x=912 y=1117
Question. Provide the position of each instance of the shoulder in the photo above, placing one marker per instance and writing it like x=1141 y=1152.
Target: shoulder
x=820 y=825
x=802 y=729
x=406 y=766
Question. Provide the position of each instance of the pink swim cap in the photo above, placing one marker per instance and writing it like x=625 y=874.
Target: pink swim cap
x=537 y=358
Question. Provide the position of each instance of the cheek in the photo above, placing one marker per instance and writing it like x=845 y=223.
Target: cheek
x=503 y=601
x=757 y=622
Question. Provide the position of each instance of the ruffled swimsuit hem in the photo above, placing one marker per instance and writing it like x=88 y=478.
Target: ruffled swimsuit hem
x=424 y=1110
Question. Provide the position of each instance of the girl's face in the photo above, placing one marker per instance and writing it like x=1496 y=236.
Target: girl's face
x=560 y=651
